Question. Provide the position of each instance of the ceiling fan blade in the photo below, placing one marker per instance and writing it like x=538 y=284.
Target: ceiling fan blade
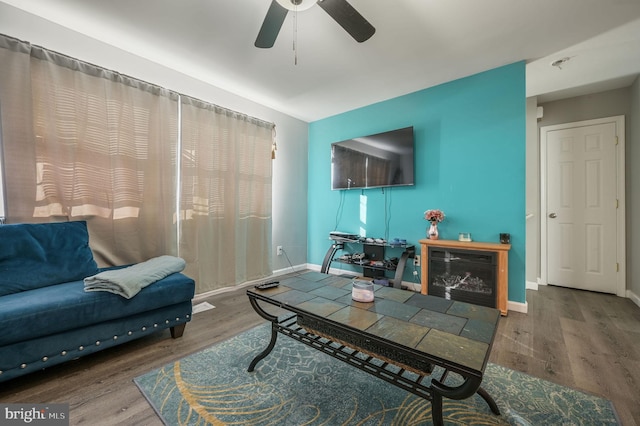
x=348 y=18
x=271 y=25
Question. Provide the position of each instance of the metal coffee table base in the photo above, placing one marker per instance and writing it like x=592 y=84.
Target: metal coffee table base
x=434 y=391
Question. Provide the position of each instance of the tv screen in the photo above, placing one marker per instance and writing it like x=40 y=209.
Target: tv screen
x=374 y=161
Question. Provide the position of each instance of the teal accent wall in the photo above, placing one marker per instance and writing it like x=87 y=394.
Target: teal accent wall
x=470 y=163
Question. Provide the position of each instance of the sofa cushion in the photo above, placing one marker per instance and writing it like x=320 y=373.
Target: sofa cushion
x=58 y=308
x=34 y=255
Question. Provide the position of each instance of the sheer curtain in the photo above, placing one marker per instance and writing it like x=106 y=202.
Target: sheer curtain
x=225 y=202
x=84 y=143
x=96 y=146
x=105 y=150
x=17 y=131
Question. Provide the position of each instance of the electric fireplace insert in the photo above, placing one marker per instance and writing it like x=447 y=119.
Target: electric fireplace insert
x=464 y=275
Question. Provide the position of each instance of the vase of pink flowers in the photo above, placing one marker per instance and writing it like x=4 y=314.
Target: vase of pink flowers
x=434 y=216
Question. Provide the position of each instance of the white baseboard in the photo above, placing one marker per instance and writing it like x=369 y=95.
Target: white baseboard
x=517 y=307
x=634 y=297
x=417 y=287
x=201 y=296
x=314 y=267
x=531 y=285
x=290 y=269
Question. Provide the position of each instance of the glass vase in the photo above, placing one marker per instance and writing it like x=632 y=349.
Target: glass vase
x=432 y=233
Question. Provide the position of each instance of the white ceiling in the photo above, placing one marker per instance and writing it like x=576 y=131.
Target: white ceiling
x=417 y=44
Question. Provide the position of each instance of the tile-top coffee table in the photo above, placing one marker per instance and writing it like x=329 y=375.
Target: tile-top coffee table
x=399 y=337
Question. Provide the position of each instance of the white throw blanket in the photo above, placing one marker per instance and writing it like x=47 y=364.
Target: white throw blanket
x=127 y=282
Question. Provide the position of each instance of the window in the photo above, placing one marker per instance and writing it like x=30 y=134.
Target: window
x=84 y=143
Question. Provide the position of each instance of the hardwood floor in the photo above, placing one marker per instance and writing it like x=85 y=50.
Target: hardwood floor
x=584 y=340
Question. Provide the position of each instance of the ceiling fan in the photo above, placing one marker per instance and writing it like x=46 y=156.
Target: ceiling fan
x=340 y=10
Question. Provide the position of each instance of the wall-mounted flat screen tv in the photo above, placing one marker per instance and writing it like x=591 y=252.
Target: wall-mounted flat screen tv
x=374 y=161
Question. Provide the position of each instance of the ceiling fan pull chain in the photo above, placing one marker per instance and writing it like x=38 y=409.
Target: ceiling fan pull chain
x=295 y=35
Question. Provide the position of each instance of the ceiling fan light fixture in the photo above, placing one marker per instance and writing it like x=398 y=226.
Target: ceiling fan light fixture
x=559 y=62
x=298 y=5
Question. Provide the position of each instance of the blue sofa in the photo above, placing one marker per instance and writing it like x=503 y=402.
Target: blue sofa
x=47 y=317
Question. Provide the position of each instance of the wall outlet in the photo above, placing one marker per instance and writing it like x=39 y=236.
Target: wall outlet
x=279 y=250
x=416 y=260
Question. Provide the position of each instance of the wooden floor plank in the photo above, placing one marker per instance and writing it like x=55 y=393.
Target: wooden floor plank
x=589 y=341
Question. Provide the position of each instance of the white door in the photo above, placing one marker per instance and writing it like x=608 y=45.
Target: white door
x=581 y=206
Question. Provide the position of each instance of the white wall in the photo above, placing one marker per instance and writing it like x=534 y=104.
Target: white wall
x=532 y=209
x=588 y=107
x=289 y=168
x=633 y=197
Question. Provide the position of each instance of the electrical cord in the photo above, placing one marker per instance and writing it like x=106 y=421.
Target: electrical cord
x=339 y=210
x=289 y=262
x=387 y=212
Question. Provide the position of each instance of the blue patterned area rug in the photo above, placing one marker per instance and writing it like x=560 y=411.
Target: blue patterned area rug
x=296 y=385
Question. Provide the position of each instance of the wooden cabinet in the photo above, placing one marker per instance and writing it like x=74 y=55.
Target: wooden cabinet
x=502 y=273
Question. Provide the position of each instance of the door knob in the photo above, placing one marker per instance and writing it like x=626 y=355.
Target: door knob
x=553 y=215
